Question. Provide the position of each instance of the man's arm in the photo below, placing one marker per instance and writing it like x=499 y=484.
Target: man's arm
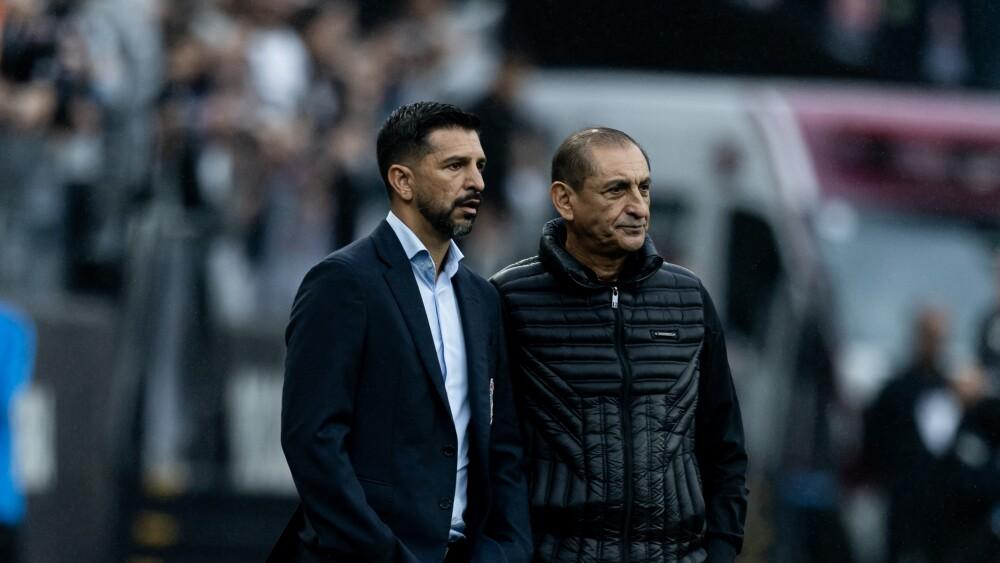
x=322 y=367
x=508 y=523
x=719 y=444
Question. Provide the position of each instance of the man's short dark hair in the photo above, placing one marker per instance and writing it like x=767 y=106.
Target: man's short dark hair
x=571 y=164
x=404 y=134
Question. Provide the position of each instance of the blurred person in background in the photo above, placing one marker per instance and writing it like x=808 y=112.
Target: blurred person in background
x=973 y=478
x=907 y=431
x=633 y=429
x=502 y=122
x=400 y=452
x=515 y=175
x=30 y=203
x=945 y=58
x=849 y=28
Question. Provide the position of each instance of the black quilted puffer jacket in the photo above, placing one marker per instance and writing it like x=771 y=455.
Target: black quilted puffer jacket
x=633 y=434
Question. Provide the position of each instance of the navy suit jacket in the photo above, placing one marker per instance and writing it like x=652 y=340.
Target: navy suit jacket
x=365 y=422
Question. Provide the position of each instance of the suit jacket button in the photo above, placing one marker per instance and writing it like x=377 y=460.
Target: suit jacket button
x=445 y=504
x=448 y=451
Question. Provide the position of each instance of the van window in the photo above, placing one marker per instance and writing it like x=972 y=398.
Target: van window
x=667 y=228
x=752 y=274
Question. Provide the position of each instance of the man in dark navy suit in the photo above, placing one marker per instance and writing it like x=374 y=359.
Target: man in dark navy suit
x=397 y=419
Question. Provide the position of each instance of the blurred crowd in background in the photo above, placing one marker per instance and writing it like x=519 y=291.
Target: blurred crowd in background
x=257 y=118
x=244 y=129
x=949 y=43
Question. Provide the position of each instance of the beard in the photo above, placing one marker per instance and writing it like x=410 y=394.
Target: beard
x=441 y=217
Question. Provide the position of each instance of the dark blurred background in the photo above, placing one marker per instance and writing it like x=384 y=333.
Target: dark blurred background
x=169 y=169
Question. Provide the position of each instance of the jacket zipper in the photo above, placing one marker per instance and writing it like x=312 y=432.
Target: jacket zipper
x=626 y=422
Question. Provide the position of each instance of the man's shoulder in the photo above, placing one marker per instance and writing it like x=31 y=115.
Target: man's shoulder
x=677 y=277
x=520 y=270
x=350 y=263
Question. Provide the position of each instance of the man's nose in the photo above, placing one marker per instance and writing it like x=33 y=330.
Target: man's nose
x=637 y=206
x=475 y=180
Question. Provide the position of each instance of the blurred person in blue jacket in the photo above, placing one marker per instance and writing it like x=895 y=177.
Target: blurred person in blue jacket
x=17 y=349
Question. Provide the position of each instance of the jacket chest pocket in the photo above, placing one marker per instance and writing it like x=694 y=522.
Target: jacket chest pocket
x=665 y=352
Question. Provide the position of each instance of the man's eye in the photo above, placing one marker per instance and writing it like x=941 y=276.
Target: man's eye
x=455 y=166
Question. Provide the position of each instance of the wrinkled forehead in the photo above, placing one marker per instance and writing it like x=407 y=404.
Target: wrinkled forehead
x=618 y=160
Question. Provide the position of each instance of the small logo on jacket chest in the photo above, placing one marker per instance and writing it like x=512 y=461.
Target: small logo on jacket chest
x=663 y=334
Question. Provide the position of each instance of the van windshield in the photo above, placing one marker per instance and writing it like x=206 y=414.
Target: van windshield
x=883 y=265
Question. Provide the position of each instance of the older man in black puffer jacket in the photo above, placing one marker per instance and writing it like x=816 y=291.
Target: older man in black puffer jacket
x=633 y=431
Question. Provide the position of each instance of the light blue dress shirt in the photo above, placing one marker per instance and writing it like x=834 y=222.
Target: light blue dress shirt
x=445 y=322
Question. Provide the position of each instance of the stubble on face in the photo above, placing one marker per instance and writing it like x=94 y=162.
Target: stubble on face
x=441 y=217
x=451 y=147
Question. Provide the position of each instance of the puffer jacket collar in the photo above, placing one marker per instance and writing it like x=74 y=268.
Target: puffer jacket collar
x=552 y=252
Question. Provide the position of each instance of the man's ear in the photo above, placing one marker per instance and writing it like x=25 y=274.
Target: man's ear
x=562 y=199
x=401 y=179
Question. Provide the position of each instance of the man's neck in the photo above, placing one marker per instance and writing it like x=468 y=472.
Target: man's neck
x=606 y=268
x=433 y=241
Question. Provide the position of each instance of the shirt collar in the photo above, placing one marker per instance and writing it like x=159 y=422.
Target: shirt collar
x=418 y=253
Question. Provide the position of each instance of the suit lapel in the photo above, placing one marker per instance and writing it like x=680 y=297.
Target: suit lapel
x=399 y=277
x=477 y=360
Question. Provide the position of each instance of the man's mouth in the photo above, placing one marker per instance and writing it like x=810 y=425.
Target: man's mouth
x=470 y=206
